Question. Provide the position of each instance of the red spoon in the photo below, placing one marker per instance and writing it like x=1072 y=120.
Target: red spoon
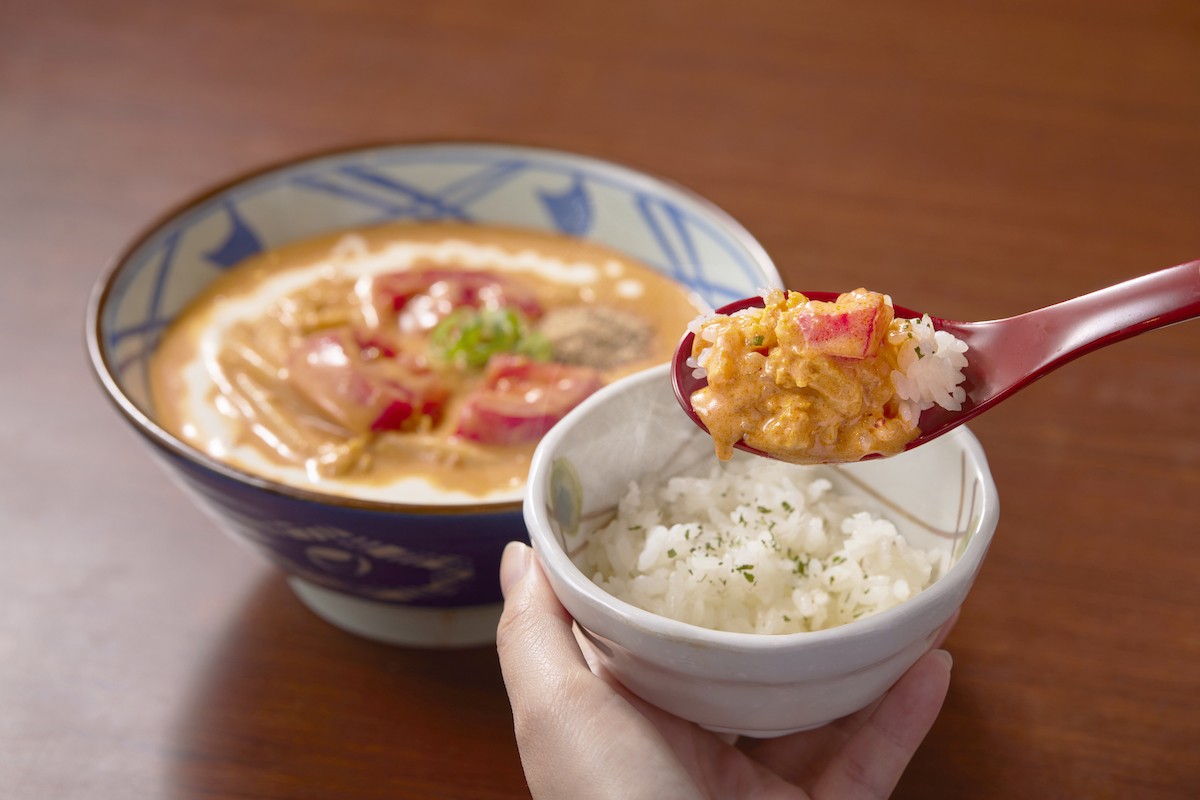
x=1006 y=355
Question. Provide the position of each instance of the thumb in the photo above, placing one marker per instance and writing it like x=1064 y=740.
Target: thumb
x=536 y=645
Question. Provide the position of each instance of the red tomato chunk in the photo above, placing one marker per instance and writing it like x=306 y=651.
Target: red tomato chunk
x=360 y=393
x=521 y=399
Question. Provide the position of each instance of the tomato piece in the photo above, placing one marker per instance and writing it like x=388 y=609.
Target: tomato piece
x=521 y=399
x=393 y=417
x=851 y=327
x=422 y=298
x=358 y=393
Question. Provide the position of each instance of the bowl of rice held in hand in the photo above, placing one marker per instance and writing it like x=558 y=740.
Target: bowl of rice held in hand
x=348 y=359
x=750 y=595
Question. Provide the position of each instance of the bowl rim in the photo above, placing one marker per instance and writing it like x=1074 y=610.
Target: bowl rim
x=560 y=567
x=142 y=422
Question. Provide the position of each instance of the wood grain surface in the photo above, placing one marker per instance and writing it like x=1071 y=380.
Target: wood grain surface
x=974 y=159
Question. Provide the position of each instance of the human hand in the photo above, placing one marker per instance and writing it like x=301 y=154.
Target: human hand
x=583 y=736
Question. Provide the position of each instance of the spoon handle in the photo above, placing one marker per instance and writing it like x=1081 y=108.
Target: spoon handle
x=1103 y=317
x=1067 y=330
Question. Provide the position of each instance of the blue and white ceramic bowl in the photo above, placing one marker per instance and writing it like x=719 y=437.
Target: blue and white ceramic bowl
x=398 y=572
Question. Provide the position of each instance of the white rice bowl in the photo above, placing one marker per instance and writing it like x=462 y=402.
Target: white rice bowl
x=940 y=496
x=755 y=546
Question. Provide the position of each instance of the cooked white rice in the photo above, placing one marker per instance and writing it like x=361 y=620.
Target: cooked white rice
x=931 y=365
x=755 y=546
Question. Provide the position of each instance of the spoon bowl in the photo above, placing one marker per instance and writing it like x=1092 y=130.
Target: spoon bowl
x=1006 y=355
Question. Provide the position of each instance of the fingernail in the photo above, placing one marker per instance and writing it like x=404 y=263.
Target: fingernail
x=514 y=564
x=944 y=655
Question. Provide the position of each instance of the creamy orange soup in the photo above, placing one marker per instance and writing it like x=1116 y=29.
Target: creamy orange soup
x=392 y=362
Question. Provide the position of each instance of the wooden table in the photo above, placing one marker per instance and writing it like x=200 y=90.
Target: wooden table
x=976 y=159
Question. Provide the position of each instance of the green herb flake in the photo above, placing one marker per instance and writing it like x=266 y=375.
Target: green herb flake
x=746 y=573
x=757 y=341
x=671 y=553
x=788 y=507
x=469 y=337
x=918 y=352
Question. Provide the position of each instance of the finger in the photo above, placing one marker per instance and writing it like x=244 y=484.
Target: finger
x=870 y=763
x=534 y=638
x=541 y=663
x=577 y=738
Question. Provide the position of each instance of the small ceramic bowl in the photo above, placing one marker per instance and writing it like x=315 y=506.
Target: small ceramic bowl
x=412 y=571
x=940 y=495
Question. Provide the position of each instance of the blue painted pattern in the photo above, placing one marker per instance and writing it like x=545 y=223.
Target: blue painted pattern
x=658 y=225
x=571 y=210
x=240 y=244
